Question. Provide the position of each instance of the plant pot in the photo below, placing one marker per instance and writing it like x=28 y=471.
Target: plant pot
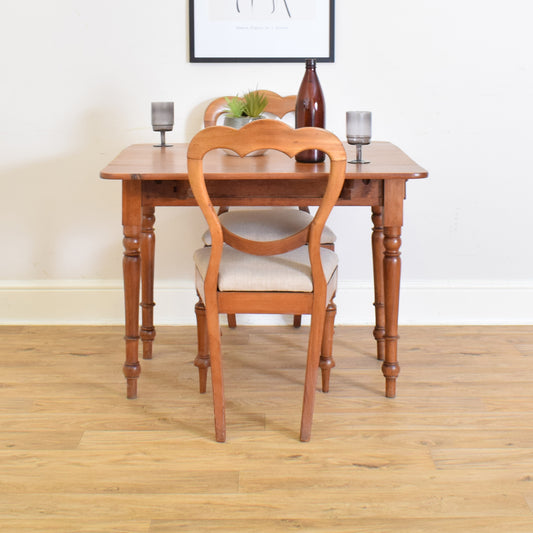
x=237 y=123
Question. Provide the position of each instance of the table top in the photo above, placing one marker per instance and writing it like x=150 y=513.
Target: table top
x=145 y=162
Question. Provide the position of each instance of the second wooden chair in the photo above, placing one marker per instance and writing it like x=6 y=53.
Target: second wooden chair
x=273 y=223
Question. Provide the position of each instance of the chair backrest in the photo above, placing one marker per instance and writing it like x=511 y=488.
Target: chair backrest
x=260 y=135
x=277 y=105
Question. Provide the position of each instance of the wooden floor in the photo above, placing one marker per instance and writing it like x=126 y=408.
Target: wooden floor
x=452 y=452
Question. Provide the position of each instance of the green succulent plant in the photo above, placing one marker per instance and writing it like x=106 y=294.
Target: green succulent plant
x=252 y=104
x=235 y=107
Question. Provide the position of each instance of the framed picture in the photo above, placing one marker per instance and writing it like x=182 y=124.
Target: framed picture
x=256 y=31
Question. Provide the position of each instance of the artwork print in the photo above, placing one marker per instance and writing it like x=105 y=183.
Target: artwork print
x=261 y=30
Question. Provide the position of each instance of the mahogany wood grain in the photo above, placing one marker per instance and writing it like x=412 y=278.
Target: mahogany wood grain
x=273 y=135
x=263 y=192
x=379 y=289
x=326 y=356
x=232 y=320
x=202 y=360
x=146 y=163
x=131 y=221
x=158 y=177
x=394 y=192
x=147 y=273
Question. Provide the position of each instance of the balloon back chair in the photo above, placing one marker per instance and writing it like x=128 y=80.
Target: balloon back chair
x=277 y=105
x=273 y=223
x=292 y=274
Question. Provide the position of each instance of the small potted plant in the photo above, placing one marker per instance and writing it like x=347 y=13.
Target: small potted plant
x=242 y=110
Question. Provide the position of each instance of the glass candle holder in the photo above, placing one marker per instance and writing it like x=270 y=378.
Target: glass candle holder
x=162 y=120
x=358 y=132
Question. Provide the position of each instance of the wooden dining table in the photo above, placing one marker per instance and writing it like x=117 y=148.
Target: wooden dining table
x=154 y=177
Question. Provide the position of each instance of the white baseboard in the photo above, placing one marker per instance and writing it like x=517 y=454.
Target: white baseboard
x=424 y=303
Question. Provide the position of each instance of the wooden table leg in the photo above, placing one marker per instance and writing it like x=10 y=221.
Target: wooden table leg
x=131 y=220
x=147 y=273
x=394 y=192
x=392 y=269
x=379 y=290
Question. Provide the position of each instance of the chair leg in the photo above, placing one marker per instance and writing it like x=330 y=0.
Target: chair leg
x=297 y=321
x=217 y=381
x=326 y=357
x=311 y=371
x=202 y=360
x=232 y=321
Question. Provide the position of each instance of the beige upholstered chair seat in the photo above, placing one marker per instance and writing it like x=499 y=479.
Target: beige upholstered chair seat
x=244 y=272
x=268 y=224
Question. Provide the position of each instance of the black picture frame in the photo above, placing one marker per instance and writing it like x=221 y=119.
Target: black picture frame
x=278 y=36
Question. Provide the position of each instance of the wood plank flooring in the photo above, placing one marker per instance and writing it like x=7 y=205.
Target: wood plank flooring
x=452 y=452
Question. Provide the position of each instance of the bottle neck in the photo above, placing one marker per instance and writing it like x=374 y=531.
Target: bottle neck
x=310 y=64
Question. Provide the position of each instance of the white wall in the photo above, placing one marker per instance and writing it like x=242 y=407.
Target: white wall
x=449 y=81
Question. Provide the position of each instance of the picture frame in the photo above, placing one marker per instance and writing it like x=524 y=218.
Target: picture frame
x=261 y=31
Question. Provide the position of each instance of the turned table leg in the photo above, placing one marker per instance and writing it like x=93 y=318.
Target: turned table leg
x=379 y=290
x=392 y=269
x=394 y=193
x=147 y=273
x=131 y=214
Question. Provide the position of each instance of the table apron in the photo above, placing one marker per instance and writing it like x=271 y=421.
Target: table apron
x=302 y=192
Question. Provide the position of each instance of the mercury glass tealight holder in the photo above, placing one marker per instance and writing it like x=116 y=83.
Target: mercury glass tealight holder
x=162 y=120
x=358 y=132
